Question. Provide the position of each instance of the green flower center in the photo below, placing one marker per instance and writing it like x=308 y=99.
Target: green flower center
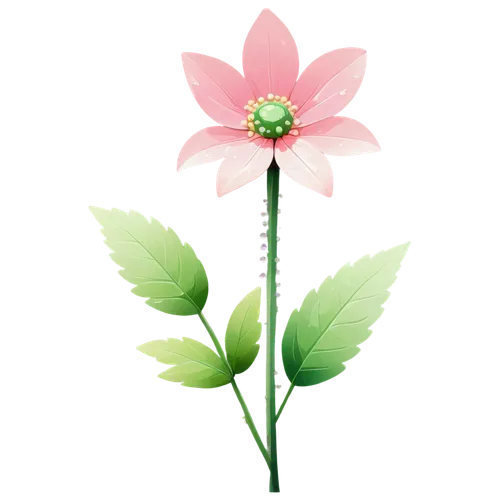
x=272 y=120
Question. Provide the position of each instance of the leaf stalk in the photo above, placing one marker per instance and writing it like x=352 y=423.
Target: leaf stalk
x=285 y=400
x=216 y=342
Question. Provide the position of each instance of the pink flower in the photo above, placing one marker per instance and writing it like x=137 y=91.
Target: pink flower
x=269 y=114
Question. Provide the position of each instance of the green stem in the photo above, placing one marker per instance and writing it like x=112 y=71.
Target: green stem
x=213 y=338
x=253 y=430
x=285 y=400
x=273 y=176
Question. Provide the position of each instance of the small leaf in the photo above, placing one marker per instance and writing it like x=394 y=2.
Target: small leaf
x=196 y=365
x=327 y=329
x=243 y=332
x=166 y=272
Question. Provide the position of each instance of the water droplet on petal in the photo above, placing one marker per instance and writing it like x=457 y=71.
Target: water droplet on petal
x=262 y=276
x=343 y=92
x=263 y=247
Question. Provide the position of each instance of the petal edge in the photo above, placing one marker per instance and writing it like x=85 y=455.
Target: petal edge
x=243 y=164
x=270 y=57
x=208 y=145
x=328 y=84
x=340 y=136
x=305 y=164
x=220 y=90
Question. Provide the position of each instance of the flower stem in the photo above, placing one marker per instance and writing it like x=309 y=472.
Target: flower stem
x=253 y=430
x=285 y=400
x=273 y=174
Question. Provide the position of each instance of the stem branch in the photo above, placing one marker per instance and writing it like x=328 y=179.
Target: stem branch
x=213 y=338
x=253 y=430
x=285 y=400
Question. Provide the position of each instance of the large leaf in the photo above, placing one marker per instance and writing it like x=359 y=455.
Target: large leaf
x=155 y=260
x=327 y=329
x=243 y=332
x=196 y=365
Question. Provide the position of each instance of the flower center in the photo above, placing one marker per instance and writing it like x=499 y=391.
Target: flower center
x=271 y=118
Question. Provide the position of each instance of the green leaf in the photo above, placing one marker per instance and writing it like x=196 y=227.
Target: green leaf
x=327 y=329
x=196 y=365
x=243 y=332
x=154 y=259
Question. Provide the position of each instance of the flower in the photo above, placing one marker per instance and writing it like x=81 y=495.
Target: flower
x=269 y=113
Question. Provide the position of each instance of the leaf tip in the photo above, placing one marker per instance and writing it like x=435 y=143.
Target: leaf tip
x=137 y=349
x=98 y=212
x=405 y=247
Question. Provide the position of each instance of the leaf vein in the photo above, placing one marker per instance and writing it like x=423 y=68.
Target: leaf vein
x=191 y=360
x=366 y=298
x=354 y=322
x=333 y=349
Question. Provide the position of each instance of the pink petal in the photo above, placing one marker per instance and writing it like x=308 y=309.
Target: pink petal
x=270 y=57
x=243 y=164
x=209 y=144
x=340 y=136
x=219 y=89
x=304 y=164
x=328 y=84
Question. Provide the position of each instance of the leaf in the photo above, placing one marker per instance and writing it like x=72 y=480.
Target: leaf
x=196 y=365
x=154 y=259
x=243 y=332
x=327 y=329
